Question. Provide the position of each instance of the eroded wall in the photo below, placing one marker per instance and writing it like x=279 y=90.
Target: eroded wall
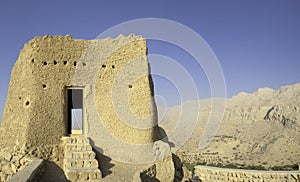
x=34 y=113
x=206 y=173
x=114 y=73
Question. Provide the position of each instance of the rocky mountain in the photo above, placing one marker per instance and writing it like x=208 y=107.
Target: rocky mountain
x=258 y=129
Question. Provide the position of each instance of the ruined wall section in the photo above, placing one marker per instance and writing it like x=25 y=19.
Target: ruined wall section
x=16 y=113
x=35 y=108
x=121 y=114
x=115 y=77
x=55 y=61
x=123 y=87
x=206 y=173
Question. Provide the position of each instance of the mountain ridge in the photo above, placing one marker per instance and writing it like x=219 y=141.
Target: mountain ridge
x=262 y=128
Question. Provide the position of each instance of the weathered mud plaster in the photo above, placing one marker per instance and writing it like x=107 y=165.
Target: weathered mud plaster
x=119 y=113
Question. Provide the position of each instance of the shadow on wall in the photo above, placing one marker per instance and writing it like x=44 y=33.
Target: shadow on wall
x=105 y=165
x=162 y=135
x=148 y=179
x=52 y=173
x=104 y=162
x=178 y=168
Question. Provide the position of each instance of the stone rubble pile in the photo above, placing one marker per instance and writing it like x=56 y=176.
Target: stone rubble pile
x=11 y=162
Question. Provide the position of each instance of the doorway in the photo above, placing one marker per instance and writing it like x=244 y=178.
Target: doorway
x=74 y=110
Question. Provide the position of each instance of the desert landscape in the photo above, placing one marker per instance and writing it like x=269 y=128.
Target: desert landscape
x=259 y=131
x=158 y=91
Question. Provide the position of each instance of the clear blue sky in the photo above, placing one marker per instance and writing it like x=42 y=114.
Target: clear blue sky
x=256 y=41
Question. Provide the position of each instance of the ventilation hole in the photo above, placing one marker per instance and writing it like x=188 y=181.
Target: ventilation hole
x=27 y=103
x=113 y=66
x=65 y=62
x=32 y=60
x=44 y=86
x=103 y=66
x=129 y=86
x=55 y=62
x=75 y=63
x=83 y=64
x=45 y=63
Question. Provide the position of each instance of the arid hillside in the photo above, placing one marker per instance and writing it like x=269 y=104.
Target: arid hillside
x=259 y=129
